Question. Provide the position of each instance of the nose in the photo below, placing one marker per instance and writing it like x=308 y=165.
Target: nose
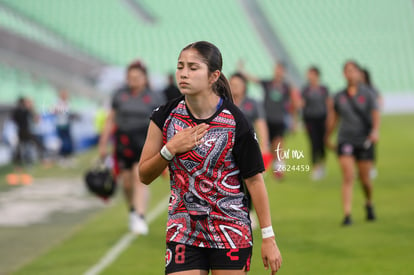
x=184 y=73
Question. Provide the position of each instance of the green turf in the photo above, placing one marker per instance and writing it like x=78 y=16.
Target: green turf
x=306 y=216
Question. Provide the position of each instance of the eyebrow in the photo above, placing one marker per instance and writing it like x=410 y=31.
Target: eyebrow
x=189 y=63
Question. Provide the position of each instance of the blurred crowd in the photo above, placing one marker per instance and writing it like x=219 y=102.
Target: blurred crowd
x=34 y=136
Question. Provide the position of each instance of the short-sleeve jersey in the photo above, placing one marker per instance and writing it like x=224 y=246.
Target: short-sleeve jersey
x=252 y=110
x=132 y=112
x=276 y=100
x=315 y=101
x=208 y=206
x=352 y=128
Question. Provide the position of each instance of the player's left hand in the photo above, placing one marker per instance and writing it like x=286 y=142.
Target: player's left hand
x=374 y=136
x=271 y=255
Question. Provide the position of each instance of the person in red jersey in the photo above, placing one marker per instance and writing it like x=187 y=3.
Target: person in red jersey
x=211 y=151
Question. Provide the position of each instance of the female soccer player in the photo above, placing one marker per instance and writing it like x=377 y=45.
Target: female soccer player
x=131 y=108
x=210 y=150
x=315 y=101
x=356 y=107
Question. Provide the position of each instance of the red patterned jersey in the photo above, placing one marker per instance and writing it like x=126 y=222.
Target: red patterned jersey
x=208 y=206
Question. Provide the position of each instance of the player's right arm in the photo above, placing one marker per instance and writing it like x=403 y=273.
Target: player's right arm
x=152 y=163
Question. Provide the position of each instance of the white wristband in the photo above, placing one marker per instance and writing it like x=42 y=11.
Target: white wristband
x=267 y=232
x=166 y=154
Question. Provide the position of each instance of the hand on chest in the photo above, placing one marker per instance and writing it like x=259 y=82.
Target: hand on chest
x=213 y=152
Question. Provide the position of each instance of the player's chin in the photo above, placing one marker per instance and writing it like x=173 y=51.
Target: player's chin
x=187 y=91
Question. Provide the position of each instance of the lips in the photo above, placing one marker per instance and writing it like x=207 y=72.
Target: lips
x=183 y=84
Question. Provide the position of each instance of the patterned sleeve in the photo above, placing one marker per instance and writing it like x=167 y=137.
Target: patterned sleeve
x=160 y=114
x=246 y=149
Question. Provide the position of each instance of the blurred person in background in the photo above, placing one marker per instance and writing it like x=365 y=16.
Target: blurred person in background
x=63 y=128
x=171 y=91
x=37 y=133
x=128 y=119
x=356 y=110
x=280 y=105
x=253 y=111
x=256 y=117
x=23 y=115
x=315 y=103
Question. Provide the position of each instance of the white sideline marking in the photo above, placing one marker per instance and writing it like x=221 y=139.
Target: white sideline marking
x=126 y=240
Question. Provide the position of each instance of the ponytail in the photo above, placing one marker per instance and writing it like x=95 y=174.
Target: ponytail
x=222 y=87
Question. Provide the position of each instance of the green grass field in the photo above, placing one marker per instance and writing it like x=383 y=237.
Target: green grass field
x=306 y=216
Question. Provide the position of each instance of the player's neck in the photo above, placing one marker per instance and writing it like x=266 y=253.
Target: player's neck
x=278 y=80
x=314 y=85
x=352 y=89
x=202 y=106
x=137 y=90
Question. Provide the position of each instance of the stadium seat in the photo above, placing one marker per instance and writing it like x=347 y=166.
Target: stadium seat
x=377 y=33
x=313 y=32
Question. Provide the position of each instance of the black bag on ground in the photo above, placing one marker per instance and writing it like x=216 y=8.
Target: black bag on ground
x=100 y=180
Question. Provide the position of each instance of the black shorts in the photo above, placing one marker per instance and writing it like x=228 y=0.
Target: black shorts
x=358 y=151
x=180 y=257
x=128 y=148
x=276 y=129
